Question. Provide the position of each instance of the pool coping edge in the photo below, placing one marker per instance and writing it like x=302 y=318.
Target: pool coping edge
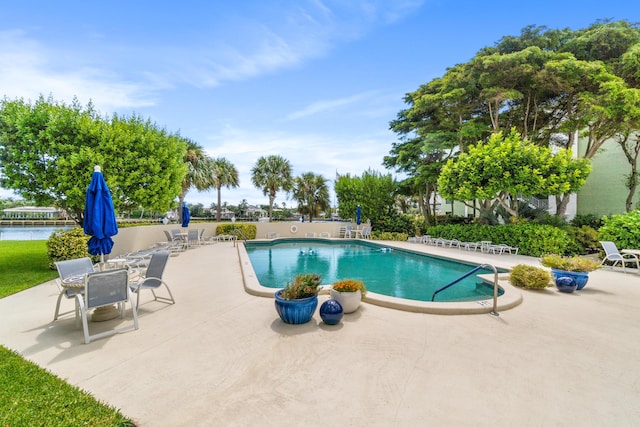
x=511 y=297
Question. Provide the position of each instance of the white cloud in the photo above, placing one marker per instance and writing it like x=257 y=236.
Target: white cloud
x=247 y=47
x=329 y=105
x=366 y=104
x=307 y=153
x=29 y=70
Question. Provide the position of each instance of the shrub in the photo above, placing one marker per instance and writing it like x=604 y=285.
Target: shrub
x=589 y=220
x=529 y=277
x=453 y=219
x=67 y=244
x=546 y=218
x=248 y=230
x=302 y=286
x=584 y=240
x=623 y=229
x=385 y=235
x=394 y=223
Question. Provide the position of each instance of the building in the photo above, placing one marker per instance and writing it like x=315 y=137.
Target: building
x=33 y=212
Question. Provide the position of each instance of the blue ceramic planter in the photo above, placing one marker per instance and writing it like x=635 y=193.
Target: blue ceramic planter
x=331 y=312
x=296 y=311
x=580 y=277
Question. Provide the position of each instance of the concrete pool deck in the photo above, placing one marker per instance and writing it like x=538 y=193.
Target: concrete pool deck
x=222 y=357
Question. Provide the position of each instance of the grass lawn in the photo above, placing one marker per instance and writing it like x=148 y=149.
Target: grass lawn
x=24 y=264
x=29 y=395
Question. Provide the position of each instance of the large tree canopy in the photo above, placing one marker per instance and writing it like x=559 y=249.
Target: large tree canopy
x=373 y=191
x=550 y=85
x=506 y=168
x=48 y=151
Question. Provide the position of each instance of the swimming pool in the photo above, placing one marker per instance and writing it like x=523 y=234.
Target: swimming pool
x=391 y=272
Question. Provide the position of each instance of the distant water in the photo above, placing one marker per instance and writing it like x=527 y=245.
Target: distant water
x=29 y=232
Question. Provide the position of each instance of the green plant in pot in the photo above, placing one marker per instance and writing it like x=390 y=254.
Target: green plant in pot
x=349 y=293
x=575 y=267
x=297 y=302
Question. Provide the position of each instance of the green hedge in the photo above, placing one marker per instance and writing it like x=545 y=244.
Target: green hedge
x=623 y=229
x=248 y=230
x=532 y=239
x=387 y=235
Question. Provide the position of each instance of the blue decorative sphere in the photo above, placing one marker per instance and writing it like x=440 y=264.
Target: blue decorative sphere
x=566 y=284
x=331 y=312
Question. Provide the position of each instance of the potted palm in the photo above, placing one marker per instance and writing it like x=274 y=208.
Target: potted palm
x=297 y=302
x=349 y=293
x=574 y=267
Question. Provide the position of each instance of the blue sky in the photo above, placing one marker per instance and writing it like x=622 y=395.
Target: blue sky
x=315 y=81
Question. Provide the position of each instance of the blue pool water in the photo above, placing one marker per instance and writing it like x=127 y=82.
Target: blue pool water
x=394 y=272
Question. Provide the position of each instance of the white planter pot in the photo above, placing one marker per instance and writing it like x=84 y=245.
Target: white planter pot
x=350 y=301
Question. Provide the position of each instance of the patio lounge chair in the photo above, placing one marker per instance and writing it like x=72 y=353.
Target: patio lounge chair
x=612 y=254
x=152 y=278
x=103 y=288
x=71 y=272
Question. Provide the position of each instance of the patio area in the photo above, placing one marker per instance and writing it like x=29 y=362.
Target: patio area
x=222 y=357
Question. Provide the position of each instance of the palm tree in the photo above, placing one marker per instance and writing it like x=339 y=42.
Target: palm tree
x=312 y=194
x=224 y=174
x=272 y=173
x=198 y=173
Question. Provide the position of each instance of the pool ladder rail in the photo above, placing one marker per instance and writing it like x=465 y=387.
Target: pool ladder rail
x=494 y=310
x=237 y=231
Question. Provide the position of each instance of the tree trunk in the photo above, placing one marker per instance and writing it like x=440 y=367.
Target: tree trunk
x=562 y=201
x=219 y=207
x=631 y=153
x=180 y=202
x=271 y=199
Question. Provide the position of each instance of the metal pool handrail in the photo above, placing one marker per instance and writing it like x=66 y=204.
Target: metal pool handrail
x=236 y=232
x=494 y=311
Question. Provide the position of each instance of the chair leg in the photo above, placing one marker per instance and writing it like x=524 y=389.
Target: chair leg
x=55 y=315
x=170 y=294
x=134 y=310
x=83 y=315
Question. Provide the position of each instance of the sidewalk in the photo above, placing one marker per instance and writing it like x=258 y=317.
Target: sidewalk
x=222 y=357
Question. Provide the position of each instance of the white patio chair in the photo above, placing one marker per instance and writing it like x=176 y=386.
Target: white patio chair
x=348 y=229
x=152 y=278
x=193 y=237
x=104 y=288
x=71 y=272
x=612 y=254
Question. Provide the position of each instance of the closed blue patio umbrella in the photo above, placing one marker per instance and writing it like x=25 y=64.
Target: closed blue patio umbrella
x=358 y=214
x=99 y=216
x=186 y=216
